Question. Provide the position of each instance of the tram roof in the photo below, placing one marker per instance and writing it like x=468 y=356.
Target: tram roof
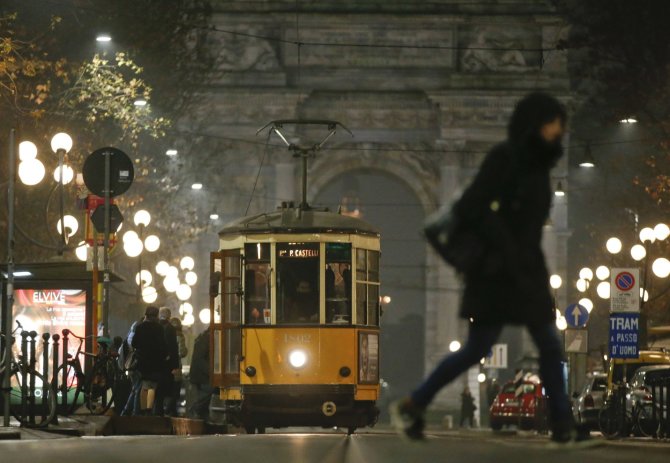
x=295 y=220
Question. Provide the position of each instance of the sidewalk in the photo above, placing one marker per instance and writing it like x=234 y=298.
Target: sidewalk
x=76 y=426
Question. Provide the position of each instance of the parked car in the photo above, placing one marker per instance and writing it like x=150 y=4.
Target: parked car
x=621 y=371
x=522 y=404
x=640 y=390
x=586 y=405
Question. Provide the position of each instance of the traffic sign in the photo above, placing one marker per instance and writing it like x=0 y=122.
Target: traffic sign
x=576 y=341
x=121 y=171
x=625 y=290
x=624 y=335
x=497 y=358
x=98 y=218
x=576 y=315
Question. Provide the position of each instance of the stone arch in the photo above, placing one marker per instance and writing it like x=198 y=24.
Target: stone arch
x=424 y=185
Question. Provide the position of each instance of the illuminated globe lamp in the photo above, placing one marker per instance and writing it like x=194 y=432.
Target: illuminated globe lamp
x=61 y=142
x=68 y=174
x=555 y=281
x=183 y=292
x=130 y=235
x=561 y=323
x=586 y=274
x=27 y=151
x=31 y=172
x=142 y=218
x=582 y=285
x=454 y=346
x=603 y=290
x=81 y=251
x=152 y=243
x=71 y=226
x=188 y=319
x=172 y=271
x=638 y=252
x=205 y=316
x=133 y=248
x=187 y=263
x=171 y=283
x=603 y=272
x=647 y=235
x=185 y=308
x=162 y=268
x=613 y=245
x=191 y=278
x=661 y=267
x=586 y=303
x=644 y=294
x=661 y=231
x=149 y=294
x=144 y=278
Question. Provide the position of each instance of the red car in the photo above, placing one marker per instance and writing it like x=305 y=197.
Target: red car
x=521 y=404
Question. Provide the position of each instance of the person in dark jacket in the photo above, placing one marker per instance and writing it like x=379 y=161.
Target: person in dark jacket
x=507 y=206
x=149 y=344
x=165 y=403
x=468 y=408
x=199 y=377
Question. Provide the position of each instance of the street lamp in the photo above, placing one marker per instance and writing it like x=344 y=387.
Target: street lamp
x=638 y=252
x=603 y=272
x=661 y=231
x=187 y=263
x=555 y=281
x=613 y=245
x=603 y=290
x=454 y=346
x=586 y=303
x=191 y=278
x=647 y=235
x=586 y=274
x=61 y=144
x=661 y=267
x=71 y=227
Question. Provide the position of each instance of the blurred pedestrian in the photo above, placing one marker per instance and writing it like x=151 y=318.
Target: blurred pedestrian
x=128 y=363
x=171 y=367
x=468 y=408
x=173 y=400
x=151 y=350
x=493 y=233
x=199 y=377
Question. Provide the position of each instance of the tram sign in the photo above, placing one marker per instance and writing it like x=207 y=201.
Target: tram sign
x=624 y=335
x=625 y=290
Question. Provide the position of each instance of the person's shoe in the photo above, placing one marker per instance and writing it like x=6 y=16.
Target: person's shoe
x=407 y=419
x=577 y=438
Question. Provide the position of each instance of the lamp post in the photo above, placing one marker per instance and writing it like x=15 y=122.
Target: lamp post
x=134 y=244
x=61 y=144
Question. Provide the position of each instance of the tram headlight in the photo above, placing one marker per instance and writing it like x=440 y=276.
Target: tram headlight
x=297 y=358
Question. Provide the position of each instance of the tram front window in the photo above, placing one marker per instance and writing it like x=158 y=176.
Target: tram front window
x=257 y=284
x=297 y=283
x=338 y=283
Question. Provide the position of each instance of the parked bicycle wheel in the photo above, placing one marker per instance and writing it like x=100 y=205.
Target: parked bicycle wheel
x=70 y=385
x=100 y=386
x=39 y=407
x=609 y=422
x=646 y=423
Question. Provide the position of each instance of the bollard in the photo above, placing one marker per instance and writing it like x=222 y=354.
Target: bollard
x=54 y=369
x=45 y=375
x=24 y=375
x=66 y=333
x=32 y=361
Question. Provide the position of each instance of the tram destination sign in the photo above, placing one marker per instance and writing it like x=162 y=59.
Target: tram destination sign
x=297 y=250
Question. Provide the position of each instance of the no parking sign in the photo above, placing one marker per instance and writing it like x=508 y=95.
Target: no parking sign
x=625 y=290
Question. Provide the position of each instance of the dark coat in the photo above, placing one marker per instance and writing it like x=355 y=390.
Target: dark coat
x=171 y=344
x=508 y=205
x=199 y=372
x=149 y=343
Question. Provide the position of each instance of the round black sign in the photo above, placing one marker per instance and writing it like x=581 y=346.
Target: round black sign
x=121 y=171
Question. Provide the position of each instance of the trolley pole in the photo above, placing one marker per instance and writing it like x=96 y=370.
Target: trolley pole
x=9 y=306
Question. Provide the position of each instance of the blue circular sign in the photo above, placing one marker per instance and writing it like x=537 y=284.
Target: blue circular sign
x=576 y=315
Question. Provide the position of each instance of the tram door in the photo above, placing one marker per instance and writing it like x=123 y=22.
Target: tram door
x=225 y=339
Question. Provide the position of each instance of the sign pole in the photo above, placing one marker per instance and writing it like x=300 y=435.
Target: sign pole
x=105 y=291
x=9 y=306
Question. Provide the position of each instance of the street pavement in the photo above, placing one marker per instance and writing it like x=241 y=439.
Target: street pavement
x=323 y=447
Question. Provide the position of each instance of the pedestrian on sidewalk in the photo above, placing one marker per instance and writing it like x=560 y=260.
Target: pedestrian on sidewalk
x=174 y=396
x=199 y=377
x=501 y=215
x=468 y=408
x=151 y=349
x=164 y=404
x=128 y=358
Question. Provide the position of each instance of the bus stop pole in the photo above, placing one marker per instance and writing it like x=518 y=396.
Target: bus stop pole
x=9 y=306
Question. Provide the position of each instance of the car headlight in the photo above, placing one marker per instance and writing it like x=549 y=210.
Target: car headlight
x=297 y=358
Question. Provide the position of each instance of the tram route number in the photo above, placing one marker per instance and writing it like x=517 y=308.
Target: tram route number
x=297 y=338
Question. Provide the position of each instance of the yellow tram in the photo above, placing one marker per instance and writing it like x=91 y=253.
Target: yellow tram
x=295 y=328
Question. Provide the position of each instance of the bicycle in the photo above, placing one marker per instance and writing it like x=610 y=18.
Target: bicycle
x=32 y=399
x=613 y=419
x=97 y=387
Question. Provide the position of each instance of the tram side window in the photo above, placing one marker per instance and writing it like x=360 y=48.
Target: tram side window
x=338 y=283
x=367 y=287
x=257 y=284
x=298 y=283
